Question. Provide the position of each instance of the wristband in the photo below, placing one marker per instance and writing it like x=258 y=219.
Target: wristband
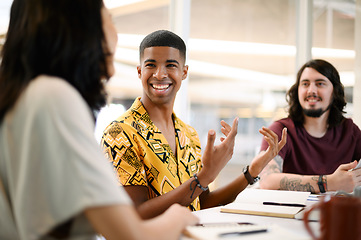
x=322 y=184
x=251 y=180
x=198 y=184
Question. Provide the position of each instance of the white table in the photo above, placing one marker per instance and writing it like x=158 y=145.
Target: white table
x=294 y=226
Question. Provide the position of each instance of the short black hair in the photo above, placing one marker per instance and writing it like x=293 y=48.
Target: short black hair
x=338 y=95
x=163 y=38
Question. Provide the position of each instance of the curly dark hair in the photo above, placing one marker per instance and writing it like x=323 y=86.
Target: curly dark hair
x=62 y=38
x=163 y=38
x=338 y=96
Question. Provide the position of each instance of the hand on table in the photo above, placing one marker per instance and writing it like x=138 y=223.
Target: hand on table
x=344 y=178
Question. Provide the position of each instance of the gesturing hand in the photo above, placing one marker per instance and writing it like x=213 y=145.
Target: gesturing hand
x=216 y=157
x=272 y=139
x=263 y=158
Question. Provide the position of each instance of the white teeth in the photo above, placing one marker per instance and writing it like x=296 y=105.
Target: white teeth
x=160 y=86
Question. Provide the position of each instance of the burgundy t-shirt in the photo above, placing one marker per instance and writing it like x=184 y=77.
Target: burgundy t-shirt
x=307 y=155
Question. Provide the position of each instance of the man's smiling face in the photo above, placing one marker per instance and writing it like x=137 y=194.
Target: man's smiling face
x=314 y=92
x=161 y=71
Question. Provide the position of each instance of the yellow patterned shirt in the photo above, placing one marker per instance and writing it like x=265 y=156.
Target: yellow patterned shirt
x=141 y=155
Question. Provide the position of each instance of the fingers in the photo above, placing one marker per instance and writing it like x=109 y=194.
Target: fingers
x=233 y=131
x=272 y=140
x=192 y=219
x=270 y=137
x=183 y=212
x=354 y=164
x=283 y=141
x=357 y=173
x=210 y=140
x=268 y=133
x=227 y=129
x=348 y=166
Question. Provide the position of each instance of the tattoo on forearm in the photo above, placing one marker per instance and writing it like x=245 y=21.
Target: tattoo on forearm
x=279 y=160
x=294 y=184
x=272 y=167
x=315 y=178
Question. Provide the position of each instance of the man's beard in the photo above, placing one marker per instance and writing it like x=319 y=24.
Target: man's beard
x=315 y=113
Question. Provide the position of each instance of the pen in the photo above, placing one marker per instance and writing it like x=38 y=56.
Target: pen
x=222 y=224
x=313 y=198
x=284 y=204
x=228 y=234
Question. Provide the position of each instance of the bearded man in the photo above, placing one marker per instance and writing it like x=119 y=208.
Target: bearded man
x=323 y=147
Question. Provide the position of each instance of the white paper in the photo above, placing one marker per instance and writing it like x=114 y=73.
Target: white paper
x=212 y=233
x=258 y=196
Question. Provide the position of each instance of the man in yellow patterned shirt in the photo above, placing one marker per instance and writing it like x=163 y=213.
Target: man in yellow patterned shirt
x=142 y=156
x=157 y=156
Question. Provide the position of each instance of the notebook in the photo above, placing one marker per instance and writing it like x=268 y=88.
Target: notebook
x=274 y=203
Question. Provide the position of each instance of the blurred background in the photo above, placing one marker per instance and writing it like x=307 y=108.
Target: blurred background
x=243 y=56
